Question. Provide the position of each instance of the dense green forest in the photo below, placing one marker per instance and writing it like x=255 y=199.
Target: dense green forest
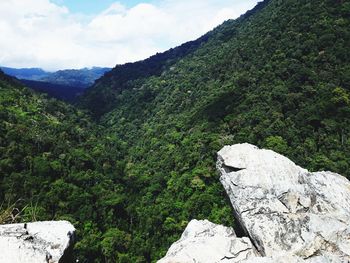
x=56 y=164
x=133 y=174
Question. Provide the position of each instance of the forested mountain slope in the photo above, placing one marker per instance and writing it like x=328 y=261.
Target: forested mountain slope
x=278 y=78
x=55 y=164
x=104 y=95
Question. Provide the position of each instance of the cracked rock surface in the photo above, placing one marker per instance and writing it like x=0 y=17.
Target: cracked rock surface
x=288 y=214
x=205 y=242
x=46 y=242
x=284 y=208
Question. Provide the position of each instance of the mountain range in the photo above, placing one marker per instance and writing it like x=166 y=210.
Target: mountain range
x=62 y=84
x=134 y=160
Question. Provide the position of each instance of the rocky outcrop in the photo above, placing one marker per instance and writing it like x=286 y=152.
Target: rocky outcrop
x=205 y=242
x=46 y=242
x=285 y=208
x=287 y=213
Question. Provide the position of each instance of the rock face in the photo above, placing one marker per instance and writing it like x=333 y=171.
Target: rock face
x=287 y=213
x=205 y=242
x=283 y=208
x=47 y=242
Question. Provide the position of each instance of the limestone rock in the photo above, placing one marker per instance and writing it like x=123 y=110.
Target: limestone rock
x=284 y=208
x=289 y=215
x=205 y=242
x=46 y=242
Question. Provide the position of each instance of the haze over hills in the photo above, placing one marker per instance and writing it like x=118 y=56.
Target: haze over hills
x=131 y=177
x=80 y=78
x=63 y=84
x=25 y=73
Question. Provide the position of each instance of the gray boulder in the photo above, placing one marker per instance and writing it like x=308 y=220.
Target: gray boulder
x=288 y=214
x=284 y=208
x=46 y=242
x=205 y=242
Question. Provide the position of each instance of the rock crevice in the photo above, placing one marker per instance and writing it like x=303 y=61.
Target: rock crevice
x=288 y=213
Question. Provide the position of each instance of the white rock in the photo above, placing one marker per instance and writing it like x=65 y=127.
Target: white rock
x=45 y=242
x=285 y=208
x=288 y=213
x=205 y=242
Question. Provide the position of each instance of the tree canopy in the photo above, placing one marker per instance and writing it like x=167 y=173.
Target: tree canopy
x=131 y=176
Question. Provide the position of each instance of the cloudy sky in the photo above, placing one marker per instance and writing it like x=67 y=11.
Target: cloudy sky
x=58 y=34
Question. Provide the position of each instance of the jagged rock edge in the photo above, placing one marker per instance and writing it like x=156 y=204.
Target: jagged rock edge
x=239 y=227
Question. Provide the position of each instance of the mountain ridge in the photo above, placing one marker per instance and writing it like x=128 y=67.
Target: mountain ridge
x=60 y=77
x=66 y=85
x=99 y=99
x=277 y=78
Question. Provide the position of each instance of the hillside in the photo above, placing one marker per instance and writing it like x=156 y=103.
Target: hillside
x=132 y=175
x=55 y=165
x=103 y=97
x=277 y=77
x=79 y=78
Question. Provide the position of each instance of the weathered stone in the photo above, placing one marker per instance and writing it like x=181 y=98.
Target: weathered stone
x=47 y=242
x=283 y=208
x=289 y=214
x=205 y=242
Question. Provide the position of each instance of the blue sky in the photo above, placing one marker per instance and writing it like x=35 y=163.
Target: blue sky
x=90 y=7
x=61 y=34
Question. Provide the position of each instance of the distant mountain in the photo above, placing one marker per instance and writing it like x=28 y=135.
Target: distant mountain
x=81 y=78
x=26 y=73
x=63 y=84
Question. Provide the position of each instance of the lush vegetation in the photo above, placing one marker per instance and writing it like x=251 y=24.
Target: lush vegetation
x=103 y=97
x=130 y=180
x=56 y=164
x=277 y=77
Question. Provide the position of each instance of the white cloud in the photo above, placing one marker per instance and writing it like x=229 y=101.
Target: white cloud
x=38 y=33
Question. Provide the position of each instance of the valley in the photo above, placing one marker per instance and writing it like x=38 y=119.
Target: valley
x=132 y=161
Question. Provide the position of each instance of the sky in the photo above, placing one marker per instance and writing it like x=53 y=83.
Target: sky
x=62 y=34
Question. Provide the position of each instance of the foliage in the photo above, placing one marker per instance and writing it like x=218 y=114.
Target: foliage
x=9 y=214
x=277 y=77
x=130 y=181
x=55 y=164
